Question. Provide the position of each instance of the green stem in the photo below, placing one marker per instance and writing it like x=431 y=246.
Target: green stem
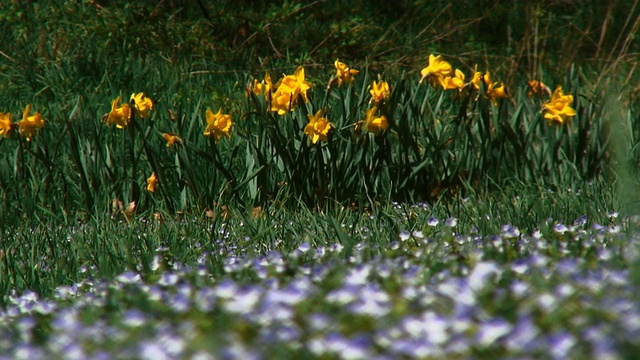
x=133 y=184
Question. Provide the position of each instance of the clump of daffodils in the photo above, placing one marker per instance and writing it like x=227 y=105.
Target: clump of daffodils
x=27 y=127
x=121 y=115
x=440 y=73
x=436 y=71
x=283 y=97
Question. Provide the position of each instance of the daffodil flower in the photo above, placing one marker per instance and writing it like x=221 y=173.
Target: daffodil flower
x=436 y=71
x=171 y=139
x=318 y=127
x=493 y=90
x=303 y=84
x=119 y=115
x=29 y=125
x=289 y=89
x=263 y=87
x=218 y=125
x=281 y=102
x=295 y=84
x=379 y=91
x=454 y=82
x=537 y=87
x=375 y=124
x=344 y=73
x=152 y=182
x=5 y=124
x=558 y=110
x=142 y=104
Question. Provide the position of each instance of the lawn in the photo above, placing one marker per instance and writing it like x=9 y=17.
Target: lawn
x=280 y=179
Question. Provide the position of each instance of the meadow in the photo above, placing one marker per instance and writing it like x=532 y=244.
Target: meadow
x=331 y=179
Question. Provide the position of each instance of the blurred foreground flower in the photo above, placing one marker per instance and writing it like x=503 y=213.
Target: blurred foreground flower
x=171 y=139
x=152 y=182
x=218 y=125
x=379 y=91
x=5 y=124
x=318 y=127
x=142 y=105
x=558 y=109
x=119 y=115
x=29 y=125
x=436 y=71
x=344 y=73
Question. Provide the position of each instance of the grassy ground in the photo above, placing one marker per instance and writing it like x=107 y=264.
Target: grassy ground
x=469 y=226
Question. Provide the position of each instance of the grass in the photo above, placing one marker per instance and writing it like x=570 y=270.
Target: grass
x=467 y=227
x=40 y=256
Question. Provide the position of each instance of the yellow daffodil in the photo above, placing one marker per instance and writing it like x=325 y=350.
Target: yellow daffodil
x=218 y=125
x=436 y=71
x=29 y=125
x=379 y=91
x=281 y=102
x=5 y=124
x=493 y=90
x=558 y=110
x=143 y=105
x=375 y=124
x=538 y=88
x=318 y=127
x=256 y=88
x=119 y=115
x=171 y=139
x=476 y=79
x=289 y=89
x=344 y=73
x=152 y=182
x=303 y=84
x=295 y=84
x=263 y=87
x=454 y=82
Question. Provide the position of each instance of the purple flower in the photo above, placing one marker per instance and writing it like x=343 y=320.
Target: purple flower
x=481 y=273
x=304 y=247
x=129 y=277
x=168 y=279
x=244 y=301
x=560 y=228
x=451 y=222
x=580 y=221
x=491 y=331
x=133 y=318
x=509 y=231
x=524 y=335
x=560 y=344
